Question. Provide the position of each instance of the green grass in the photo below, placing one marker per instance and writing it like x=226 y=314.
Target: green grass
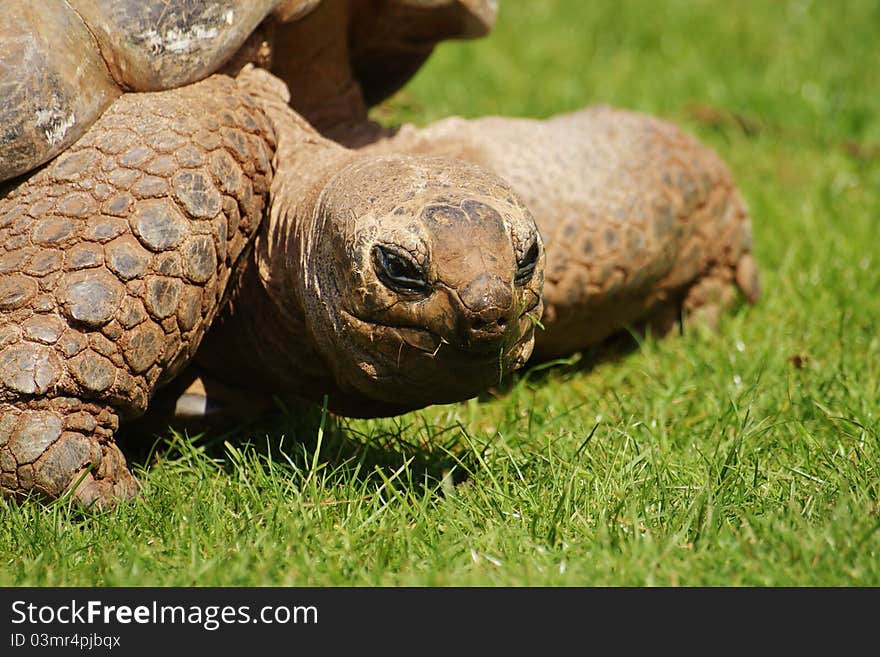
x=749 y=457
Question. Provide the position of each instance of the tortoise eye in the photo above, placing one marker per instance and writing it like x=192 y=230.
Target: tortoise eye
x=398 y=271
x=525 y=267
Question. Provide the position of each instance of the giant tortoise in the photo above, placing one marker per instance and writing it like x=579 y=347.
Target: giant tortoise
x=175 y=165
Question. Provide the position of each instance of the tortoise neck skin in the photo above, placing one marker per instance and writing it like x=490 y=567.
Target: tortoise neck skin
x=387 y=283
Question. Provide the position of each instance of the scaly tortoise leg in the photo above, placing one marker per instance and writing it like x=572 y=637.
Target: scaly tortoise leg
x=113 y=261
x=52 y=445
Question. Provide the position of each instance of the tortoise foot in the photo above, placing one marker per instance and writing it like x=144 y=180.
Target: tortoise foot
x=52 y=447
x=103 y=487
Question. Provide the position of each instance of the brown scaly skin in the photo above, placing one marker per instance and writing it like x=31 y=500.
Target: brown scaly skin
x=343 y=332
x=638 y=218
x=115 y=258
x=118 y=256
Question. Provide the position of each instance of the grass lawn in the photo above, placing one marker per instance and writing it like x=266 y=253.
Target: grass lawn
x=747 y=457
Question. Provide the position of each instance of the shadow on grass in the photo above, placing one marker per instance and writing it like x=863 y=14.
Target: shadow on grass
x=615 y=348
x=304 y=436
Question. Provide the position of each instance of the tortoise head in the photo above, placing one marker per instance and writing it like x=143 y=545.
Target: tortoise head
x=423 y=281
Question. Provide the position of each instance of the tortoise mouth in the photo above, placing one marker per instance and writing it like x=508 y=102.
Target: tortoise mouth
x=427 y=342
x=408 y=368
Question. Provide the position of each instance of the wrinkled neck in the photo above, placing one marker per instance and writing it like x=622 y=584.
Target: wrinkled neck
x=303 y=163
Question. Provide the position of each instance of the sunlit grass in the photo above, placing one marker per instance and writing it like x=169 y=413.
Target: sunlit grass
x=748 y=457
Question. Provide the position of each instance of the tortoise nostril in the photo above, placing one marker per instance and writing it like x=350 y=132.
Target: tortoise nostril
x=479 y=325
x=487 y=309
